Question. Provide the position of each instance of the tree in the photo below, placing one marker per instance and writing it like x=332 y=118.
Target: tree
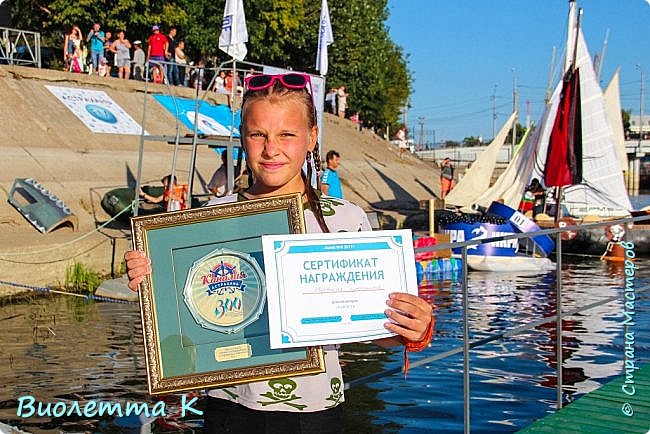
x=53 y=18
x=519 y=131
x=364 y=58
x=281 y=33
x=471 y=141
x=625 y=115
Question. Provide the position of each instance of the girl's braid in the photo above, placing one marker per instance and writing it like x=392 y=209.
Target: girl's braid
x=318 y=165
x=312 y=197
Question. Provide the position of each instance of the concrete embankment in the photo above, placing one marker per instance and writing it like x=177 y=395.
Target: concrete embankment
x=41 y=139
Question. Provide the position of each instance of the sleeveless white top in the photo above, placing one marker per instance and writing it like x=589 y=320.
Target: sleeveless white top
x=310 y=392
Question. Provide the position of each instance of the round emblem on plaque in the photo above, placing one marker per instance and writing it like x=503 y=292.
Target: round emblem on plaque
x=225 y=291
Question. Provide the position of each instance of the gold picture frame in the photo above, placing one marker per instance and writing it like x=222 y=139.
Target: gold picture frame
x=203 y=307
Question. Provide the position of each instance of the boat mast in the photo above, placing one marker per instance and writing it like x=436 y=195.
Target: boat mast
x=569 y=65
x=601 y=60
x=550 y=77
x=571 y=37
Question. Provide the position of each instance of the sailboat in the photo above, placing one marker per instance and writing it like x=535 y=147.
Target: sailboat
x=600 y=194
x=467 y=225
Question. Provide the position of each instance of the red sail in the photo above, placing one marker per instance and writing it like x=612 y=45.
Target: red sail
x=564 y=156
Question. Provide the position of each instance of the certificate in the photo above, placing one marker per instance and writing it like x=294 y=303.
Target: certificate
x=332 y=288
x=204 y=315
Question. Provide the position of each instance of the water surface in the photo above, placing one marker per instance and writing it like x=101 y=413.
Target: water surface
x=65 y=348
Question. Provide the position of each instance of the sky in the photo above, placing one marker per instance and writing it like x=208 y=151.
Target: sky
x=466 y=55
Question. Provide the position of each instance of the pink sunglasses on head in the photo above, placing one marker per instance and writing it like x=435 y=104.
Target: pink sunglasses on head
x=290 y=81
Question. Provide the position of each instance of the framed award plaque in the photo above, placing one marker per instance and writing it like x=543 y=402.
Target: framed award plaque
x=204 y=309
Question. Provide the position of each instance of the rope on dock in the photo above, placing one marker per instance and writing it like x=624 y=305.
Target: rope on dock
x=56 y=291
x=67 y=243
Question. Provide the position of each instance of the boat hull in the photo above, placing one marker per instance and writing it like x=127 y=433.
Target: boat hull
x=593 y=241
x=509 y=264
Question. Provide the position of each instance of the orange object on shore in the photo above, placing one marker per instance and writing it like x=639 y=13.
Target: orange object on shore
x=179 y=198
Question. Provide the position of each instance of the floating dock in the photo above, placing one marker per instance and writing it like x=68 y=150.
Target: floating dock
x=610 y=409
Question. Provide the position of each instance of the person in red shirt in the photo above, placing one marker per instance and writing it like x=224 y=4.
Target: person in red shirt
x=157 y=48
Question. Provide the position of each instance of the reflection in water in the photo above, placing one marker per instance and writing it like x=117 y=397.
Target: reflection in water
x=512 y=379
x=64 y=348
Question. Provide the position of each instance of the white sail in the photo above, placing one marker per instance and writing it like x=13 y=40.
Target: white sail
x=477 y=179
x=510 y=186
x=602 y=191
x=613 y=105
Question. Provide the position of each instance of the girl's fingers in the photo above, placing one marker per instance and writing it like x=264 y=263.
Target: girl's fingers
x=410 y=305
x=134 y=284
x=410 y=316
x=408 y=328
x=138 y=266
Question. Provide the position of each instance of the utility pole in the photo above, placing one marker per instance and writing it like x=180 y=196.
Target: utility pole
x=638 y=155
x=640 y=108
x=602 y=57
x=421 y=122
x=494 y=112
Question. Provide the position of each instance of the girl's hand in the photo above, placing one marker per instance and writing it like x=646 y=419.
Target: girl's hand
x=138 y=265
x=410 y=316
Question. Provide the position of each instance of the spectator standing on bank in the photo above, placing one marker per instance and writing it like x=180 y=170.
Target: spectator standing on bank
x=342 y=101
x=181 y=61
x=197 y=74
x=103 y=69
x=330 y=101
x=138 y=60
x=96 y=38
x=354 y=117
x=71 y=43
x=229 y=82
x=156 y=50
x=330 y=182
x=108 y=53
x=446 y=177
x=170 y=55
x=401 y=141
x=220 y=83
x=121 y=47
x=77 y=62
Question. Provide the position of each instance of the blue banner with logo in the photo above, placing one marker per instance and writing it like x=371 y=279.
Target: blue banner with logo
x=461 y=231
x=523 y=224
x=212 y=119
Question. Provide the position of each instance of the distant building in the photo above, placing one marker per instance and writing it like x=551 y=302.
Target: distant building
x=633 y=131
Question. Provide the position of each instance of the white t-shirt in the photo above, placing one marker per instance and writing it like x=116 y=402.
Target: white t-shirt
x=220 y=85
x=308 y=393
x=219 y=181
x=401 y=137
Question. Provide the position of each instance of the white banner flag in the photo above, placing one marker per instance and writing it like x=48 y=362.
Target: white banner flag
x=233 y=30
x=325 y=38
x=97 y=110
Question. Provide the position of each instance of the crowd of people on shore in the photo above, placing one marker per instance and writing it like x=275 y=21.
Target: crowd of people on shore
x=99 y=53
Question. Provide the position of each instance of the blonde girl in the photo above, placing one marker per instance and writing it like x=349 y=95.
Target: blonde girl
x=279 y=134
